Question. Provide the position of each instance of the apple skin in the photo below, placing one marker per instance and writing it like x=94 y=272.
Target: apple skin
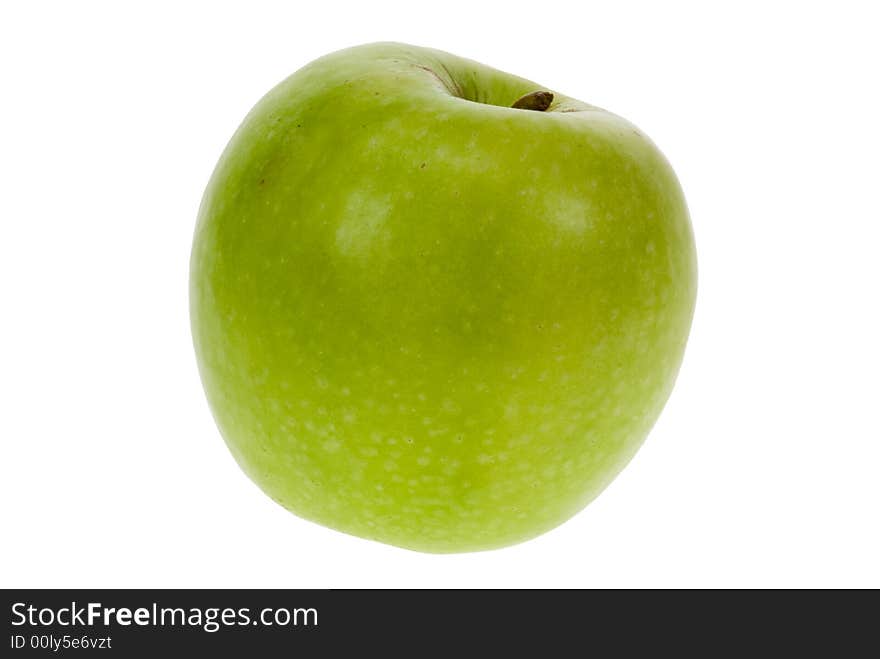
x=429 y=319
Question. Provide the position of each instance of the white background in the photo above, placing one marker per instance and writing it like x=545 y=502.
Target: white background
x=764 y=469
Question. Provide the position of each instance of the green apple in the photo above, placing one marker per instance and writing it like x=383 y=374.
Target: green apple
x=434 y=304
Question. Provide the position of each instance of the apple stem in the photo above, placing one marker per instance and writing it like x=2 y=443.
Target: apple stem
x=538 y=101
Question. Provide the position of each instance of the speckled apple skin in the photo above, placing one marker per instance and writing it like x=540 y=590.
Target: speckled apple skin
x=426 y=318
